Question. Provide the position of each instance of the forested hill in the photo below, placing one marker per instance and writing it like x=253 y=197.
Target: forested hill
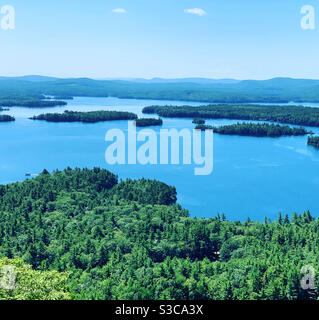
x=278 y=90
x=130 y=240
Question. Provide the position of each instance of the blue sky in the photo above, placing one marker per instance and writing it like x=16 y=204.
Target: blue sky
x=243 y=39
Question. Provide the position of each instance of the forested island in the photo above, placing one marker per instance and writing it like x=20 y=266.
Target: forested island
x=86 y=117
x=297 y=115
x=6 y=118
x=313 y=141
x=147 y=122
x=87 y=236
x=255 y=130
x=199 y=121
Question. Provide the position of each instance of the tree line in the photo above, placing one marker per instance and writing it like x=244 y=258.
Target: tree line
x=86 y=117
x=31 y=103
x=296 y=115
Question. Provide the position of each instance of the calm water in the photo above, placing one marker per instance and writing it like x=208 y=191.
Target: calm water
x=252 y=177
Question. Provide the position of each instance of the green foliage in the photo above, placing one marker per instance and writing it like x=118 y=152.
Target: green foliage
x=146 y=122
x=146 y=192
x=18 y=281
x=131 y=241
x=298 y=115
x=87 y=117
x=256 y=130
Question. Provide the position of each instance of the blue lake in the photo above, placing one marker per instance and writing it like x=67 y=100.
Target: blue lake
x=252 y=177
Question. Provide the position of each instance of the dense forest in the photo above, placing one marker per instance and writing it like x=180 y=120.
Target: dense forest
x=313 y=141
x=87 y=117
x=147 y=122
x=6 y=118
x=255 y=130
x=298 y=115
x=130 y=240
x=277 y=90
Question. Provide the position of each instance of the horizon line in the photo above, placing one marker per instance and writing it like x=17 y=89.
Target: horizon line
x=153 y=78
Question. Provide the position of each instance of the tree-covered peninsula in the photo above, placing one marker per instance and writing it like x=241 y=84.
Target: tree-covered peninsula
x=86 y=117
x=148 y=122
x=313 y=141
x=6 y=118
x=255 y=130
x=130 y=240
x=297 y=115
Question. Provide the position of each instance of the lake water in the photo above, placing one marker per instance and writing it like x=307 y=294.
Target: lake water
x=252 y=177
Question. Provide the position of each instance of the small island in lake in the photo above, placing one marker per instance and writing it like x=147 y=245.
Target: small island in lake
x=313 y=141
x=147 y=122
x=199 y=121
x=256 y=130
x=6 y=118
x=86 y=117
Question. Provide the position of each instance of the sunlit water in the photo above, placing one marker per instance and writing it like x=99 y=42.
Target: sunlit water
x=252 y=177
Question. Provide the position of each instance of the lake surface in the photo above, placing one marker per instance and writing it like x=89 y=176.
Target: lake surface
x=252 y=177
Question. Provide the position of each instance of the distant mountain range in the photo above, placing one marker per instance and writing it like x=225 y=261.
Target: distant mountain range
x=176 y=80
x=274 y=81
x=32 y=78
x=277 y=90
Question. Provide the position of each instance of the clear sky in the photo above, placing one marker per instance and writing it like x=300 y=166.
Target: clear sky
x=243 y=39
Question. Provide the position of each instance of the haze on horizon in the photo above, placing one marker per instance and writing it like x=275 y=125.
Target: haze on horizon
x=42 y=77
x=160 y=39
